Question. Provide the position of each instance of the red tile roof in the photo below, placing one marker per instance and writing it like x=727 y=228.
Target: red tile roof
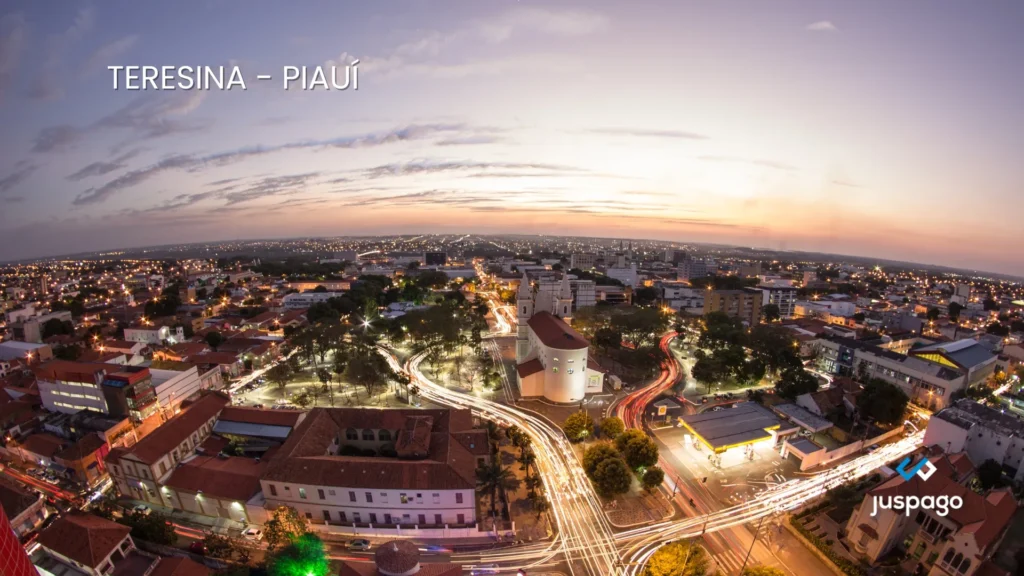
x=172 y=433
x=288 y=418
x=15 y=498
x=44 y=444
x=305 y=459
x=529 y=368
x=555 y=333
x=179 y=567
x=85 y=446
x=229 y=478
x=83 y=538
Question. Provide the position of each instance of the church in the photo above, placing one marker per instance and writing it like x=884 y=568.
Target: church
x=552 y=359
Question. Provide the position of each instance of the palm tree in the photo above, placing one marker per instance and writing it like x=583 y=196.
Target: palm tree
x=493 y=477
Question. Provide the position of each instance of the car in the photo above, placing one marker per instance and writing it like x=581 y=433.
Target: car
x=259 y=406
x=252 y=534
x=197 y=547
x=142 y=509
x=484 y=569
x=435 y=549
x=359 y=544
x=872 y=448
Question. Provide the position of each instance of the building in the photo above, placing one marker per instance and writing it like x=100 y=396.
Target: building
x=398 y=558
x=954 y=544
x=139 y=471
x=13 y=559
x=744 y=304
x=625 y=274
x=730 y=435
x=93 y=545
x=24 y=509
x=435 y=259
x=217 y=486
x=971 y=357
x=28 y=351
x=961 y=294
x=781 y=294
x=982 y=433
x=83 y=460
x=422 y=472
x=584 y=293
x=69 y=387
x=148 y=334
x=836 y=311
x=306 y=299
x=681 y=296
x=176 y=385
x=691 y=268
x=257 y=429
x=179 y=566
x=927 y=383
x=329 y=285
x=32 y=329
x=582 y=261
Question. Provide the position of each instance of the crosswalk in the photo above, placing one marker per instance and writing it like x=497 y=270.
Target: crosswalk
x=728 y=562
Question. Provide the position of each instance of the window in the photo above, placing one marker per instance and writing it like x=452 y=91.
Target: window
x=351 y=496
x=571 y=371
x=387 y=518
x=384 y=497
x=351 y=434
x=461 y=518
x=369 y=497
x=384 y=436
x=437 y=498
x=357 y=517
x=273 y=489
x=404 y=498
x=458 y=497
x=437 y=519
x=287 y=488
x=327 y=515
x=368 y=435
x=373 y=518
x=423 y=519
x=419 y=498
x=309 y=515
x=302 y=493
x=342 y=516
x=320 y=493
x=331 y=492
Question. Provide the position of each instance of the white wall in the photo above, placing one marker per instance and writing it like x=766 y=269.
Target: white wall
x=71 y=397
x=172 y=387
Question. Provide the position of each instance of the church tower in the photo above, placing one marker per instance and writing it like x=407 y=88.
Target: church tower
x=524 y=311
x=563 y=302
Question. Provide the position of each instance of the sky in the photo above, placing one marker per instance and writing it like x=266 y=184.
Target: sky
x=870 y=128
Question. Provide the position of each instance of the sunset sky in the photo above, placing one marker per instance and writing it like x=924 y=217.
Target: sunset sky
x=875 y=128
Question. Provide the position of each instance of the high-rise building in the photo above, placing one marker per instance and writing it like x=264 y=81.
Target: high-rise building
x=691 y=268
x=582 y=261
x=13 y=559
x=743 y=304
x=435 y=258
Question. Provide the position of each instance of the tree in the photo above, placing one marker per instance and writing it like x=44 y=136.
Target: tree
x=955 y=308
x=153 y=527
x=595 y=455
x=218 y=546
x=775 y=347
x=280 y=374
x=608 y=339
x=794 y=382
x=303 y=556
x=933 y=314
x=611 y=477
x=679 y=558
x=493 y=477
x=213 y=339
x=708 y=371
x=285 y=524
x=611 y=427
x=578 y=426
x=771 y=313
x=762 y=570
x=998 y=329
x=721 y=330
x=638 y=449
x=367 y=368
x=653 y=477
x=882 y=401
x=990 y=475
x=640 y=326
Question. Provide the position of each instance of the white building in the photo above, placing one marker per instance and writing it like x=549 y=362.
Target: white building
x=422 y=474
x=625 y=274
x=584 y=293
x=681 y=296
x=307 y=299
x=690 y=268
x=780 y=295
x=583 y=261
x=982 y=432
x=148 y=334
x=824 y=309
x=552 y=358
x=173 y=386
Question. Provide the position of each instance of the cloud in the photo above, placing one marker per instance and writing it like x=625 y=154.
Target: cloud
x=193 y=163
x=13 y=31
x=271 y=186
x=822 y=26
x=642 y=133
x=473 y=140
x=417 y=167
x=763 y=163
x=22 y=171
x=56 y=138
x=101 y=168
x=108 y=53
x=48 y=84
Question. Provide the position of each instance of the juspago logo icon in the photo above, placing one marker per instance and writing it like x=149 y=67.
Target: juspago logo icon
x=924 y=469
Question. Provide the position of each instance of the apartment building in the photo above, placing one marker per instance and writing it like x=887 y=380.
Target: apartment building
x=385 y=468
x=743 y=304
x=957 y=544
x=125 y=391
x=781 y=295
x=296 y=301
x=982 y=433
x=583 y=261
x=927 y=382
x=139 y=471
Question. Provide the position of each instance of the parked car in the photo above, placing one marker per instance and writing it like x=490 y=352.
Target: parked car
x=359 y=544
x=197 y=547
x=142 y=509
x=254 y=534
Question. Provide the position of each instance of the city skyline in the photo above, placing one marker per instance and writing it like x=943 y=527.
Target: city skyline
x=872 y=130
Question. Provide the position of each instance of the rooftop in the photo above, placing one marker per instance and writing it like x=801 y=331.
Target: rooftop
x=967 y=413
x=172 y=433
x=229 y=478
x=555 y=333
x=15 y=498
x=83 y=538
x=745 y=423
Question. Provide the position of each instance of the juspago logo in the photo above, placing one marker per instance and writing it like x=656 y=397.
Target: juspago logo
x=924 y=469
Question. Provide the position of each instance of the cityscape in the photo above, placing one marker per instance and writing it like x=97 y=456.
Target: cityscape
x=753 y=308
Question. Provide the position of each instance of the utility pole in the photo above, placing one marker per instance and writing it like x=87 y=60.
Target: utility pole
x=752 y=542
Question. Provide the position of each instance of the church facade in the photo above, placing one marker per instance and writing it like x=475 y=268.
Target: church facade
x=552 y=359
